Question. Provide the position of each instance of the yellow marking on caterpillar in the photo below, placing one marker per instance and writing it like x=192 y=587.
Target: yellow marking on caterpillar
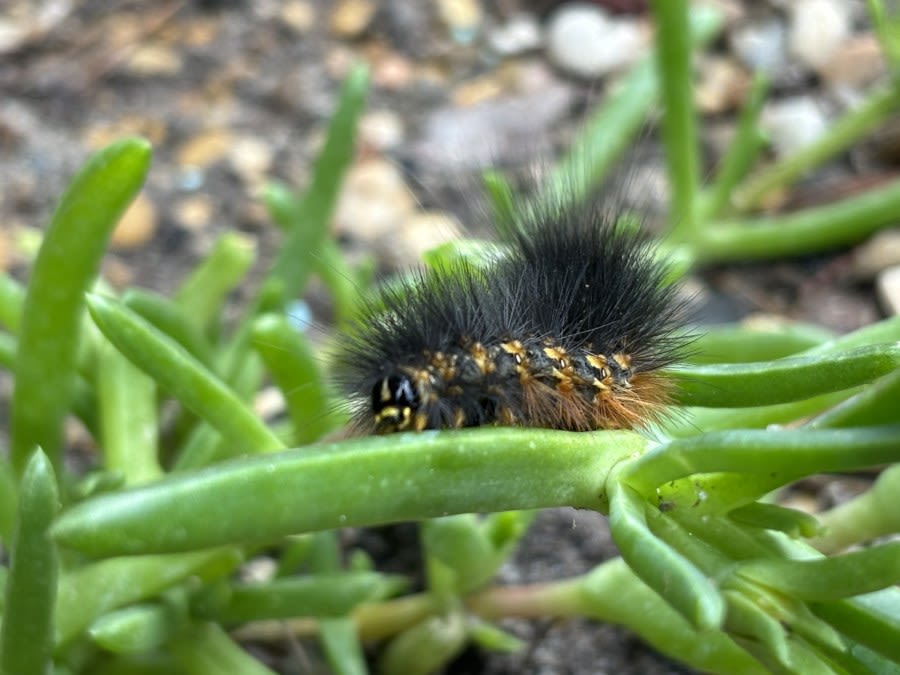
x=558 y=354
x=480 y=356
x=624 y=360
x=515 y=349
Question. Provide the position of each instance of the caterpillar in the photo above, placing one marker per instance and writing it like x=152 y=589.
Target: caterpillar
x=569 y=330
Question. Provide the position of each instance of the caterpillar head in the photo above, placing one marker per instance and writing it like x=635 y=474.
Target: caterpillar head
x=395 y=404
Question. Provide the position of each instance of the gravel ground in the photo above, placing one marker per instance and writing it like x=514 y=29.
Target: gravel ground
x=234 y=93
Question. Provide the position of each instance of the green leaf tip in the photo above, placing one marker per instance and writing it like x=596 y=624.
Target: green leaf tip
x=66 y=265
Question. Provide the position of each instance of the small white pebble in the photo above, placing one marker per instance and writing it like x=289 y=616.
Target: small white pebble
x=793 y=124
x=381 y=130
x=760 y=45
x=582 y=40
x=887 y=284
x=818 y=29
x=518 y=35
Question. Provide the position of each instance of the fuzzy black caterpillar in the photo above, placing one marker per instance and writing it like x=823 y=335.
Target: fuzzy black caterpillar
x=568 y=331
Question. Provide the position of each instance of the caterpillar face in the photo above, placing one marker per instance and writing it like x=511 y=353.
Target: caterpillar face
x=395 y=403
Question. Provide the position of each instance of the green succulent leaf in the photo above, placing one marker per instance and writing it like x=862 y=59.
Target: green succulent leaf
x=66 y=265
